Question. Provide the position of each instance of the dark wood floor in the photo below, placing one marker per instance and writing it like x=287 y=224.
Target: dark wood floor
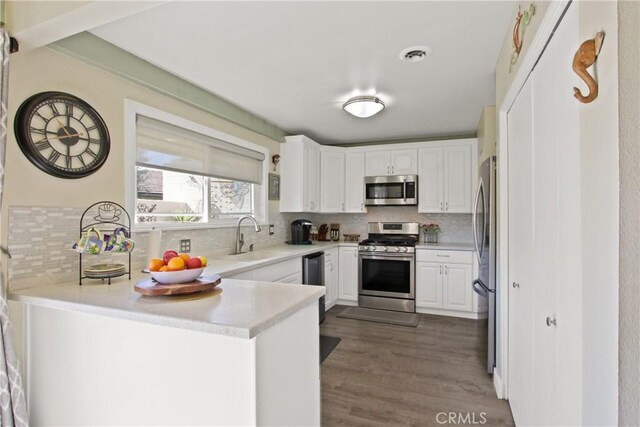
x=386 y=375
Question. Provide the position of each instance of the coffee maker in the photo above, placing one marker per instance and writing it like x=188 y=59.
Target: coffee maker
x=300 y=232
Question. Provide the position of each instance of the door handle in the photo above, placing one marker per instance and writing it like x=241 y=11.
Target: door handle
x=441 y=207
x=440 y=269
x=392 y=170
x=446 y=206
x=446 y=269
x=551 y=321
x=443 y=256
x=515 y=284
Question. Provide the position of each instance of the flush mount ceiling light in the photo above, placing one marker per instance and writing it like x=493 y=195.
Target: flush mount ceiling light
x=415 y=53
x=363 y=106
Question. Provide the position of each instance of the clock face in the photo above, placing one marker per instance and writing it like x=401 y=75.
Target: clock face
x=62 y=135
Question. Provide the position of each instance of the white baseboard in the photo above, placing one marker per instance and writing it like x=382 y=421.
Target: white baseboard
x=498 y=385
x=452 y=313
x=345 y=302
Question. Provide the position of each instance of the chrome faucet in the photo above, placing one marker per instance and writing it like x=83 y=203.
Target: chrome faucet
x=240 y=236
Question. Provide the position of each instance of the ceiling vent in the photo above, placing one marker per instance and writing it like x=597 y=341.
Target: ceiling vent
x=415 y=53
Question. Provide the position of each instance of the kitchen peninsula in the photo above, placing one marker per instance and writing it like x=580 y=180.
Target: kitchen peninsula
x=99 y=354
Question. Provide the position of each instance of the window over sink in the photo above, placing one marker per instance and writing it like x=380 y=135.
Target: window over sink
x=181 y=174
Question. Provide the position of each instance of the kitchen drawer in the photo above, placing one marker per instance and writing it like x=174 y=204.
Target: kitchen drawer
x=277 y=271
x=445 y=257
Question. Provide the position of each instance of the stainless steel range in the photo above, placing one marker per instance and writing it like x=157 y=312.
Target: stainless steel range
x=387 y=266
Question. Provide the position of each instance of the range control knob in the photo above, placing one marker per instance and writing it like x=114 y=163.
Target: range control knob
x=405 y=249
x=397 y=248
x=384 y=249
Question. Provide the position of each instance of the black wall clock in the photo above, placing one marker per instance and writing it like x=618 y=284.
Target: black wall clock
x=62 y=135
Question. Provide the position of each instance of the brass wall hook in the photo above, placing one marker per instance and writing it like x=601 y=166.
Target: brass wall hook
x=584 y=58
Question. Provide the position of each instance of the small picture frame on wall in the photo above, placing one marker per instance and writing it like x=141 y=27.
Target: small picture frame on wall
x=274 y=186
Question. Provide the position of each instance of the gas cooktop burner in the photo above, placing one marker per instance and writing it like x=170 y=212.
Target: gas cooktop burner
x=390 y=242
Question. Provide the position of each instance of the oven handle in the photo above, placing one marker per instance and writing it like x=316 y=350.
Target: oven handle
x=401 y=256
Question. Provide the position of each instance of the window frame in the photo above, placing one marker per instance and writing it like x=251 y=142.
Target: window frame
x=131 y=110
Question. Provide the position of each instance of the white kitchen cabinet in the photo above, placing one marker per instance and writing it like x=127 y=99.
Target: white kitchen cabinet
x=348 y=273
x=457 y=290
x=331 y=276
x=393 y=162
x=457 y=179
x=378 y=163
x=443 y=284
x=354 y=182
x=404 y=162
x=300 y=175
x=332 y=180
x=446 y=178
x=428 y=285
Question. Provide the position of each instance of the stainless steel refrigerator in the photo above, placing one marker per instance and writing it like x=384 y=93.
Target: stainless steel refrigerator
x=484 y=236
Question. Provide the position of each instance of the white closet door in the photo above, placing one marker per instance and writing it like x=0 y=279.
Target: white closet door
x=520 y=136
x=545 y=243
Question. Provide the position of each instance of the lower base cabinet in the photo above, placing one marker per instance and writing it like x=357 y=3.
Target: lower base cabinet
x=331 y=277
x=443 y=284
x=348 y=284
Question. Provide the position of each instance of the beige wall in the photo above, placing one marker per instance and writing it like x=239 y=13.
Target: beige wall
x=43 y=70
x=503 y=76
x=629 y=90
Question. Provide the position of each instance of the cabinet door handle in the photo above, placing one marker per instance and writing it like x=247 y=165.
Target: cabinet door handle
x=441 y=269
x=443 y=256
x=515 y=284
x=392 y=170
x=441 y=207
x=551 y=321
x=446 y=206
x=446 y=269
x=387 y=170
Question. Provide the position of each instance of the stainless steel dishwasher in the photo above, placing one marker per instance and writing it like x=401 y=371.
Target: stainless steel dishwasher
x=313 y=274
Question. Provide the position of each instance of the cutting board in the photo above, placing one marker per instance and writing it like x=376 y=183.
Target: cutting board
x=152 y=288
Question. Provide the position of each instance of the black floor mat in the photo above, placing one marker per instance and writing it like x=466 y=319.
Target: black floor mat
x=327 y=345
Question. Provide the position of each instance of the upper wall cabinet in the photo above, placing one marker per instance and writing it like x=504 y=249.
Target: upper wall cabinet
x=446 y=178
x=354 y=182
x=395 y=162
x=300 y=175
x=332 y=180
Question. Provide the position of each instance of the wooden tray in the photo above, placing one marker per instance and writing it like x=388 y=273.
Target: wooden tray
x=152 y=288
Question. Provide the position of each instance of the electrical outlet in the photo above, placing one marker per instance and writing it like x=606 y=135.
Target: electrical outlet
x=185 y=245
x=272 y=229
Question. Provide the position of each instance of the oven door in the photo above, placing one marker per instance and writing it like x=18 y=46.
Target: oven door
x=388 y=275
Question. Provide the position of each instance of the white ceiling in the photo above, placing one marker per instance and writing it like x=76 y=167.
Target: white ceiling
x=295 y=63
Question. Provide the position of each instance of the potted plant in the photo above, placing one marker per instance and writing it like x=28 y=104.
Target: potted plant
x=430 y=232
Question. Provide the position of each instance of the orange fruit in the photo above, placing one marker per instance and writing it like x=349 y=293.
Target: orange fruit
x=164 y=268
x=185 y=257
x=176 y=264
x=155 y=264
x=204 y=260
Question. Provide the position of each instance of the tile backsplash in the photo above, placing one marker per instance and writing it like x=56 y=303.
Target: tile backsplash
x=40 y=238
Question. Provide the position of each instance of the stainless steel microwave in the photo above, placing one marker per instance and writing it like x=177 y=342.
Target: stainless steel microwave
x=391 y=190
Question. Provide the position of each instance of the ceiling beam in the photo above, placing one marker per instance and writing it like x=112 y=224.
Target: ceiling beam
x=39 y=23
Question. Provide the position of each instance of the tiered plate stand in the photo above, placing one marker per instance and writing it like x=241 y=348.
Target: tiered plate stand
x=91 y=219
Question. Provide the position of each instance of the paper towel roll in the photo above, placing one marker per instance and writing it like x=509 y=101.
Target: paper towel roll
x=154 y=250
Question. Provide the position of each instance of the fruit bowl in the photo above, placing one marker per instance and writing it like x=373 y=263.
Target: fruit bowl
x=173 y=277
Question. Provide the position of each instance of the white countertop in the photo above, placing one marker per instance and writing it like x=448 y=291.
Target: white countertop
x=447 y=246
x=243 y=309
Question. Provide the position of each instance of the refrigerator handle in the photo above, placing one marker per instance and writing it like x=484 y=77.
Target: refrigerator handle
x=475 y=222
x=481 y=289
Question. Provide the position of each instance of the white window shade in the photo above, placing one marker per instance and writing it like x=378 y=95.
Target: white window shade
x=164 y=146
